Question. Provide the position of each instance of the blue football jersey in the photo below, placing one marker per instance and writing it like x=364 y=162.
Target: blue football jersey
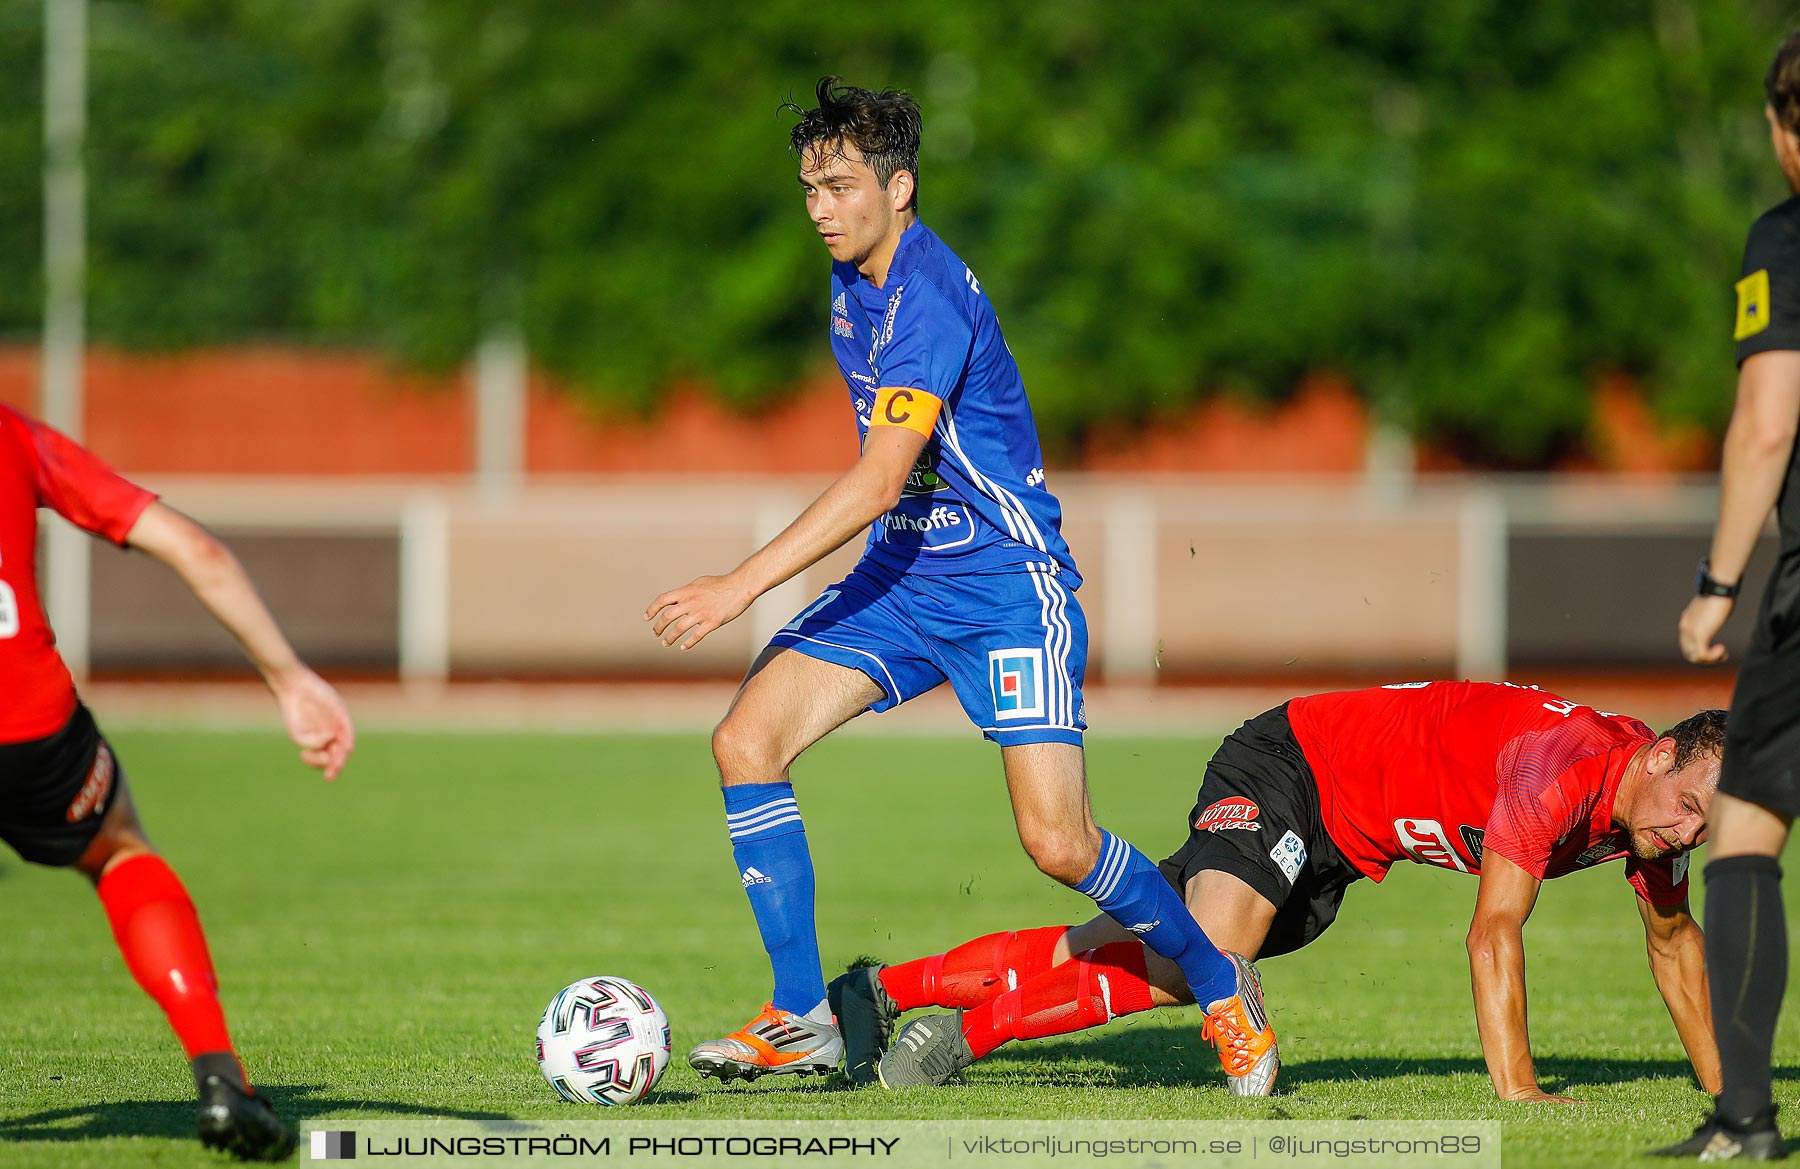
x=976 y=500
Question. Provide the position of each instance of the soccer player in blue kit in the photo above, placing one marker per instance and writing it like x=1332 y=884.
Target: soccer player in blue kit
x=965 y=578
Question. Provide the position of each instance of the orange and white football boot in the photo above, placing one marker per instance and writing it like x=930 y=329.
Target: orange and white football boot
x=1239 y=1028
x=774 y=1043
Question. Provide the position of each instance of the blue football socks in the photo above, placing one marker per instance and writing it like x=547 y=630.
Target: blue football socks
x=769 y=842
x=1133 y=892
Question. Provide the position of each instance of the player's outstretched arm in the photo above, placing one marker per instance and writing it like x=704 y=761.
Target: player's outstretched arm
x=1497 y=973
x=1677 y=951
x=1758 y=444
x=313 y=713
x=858 y=497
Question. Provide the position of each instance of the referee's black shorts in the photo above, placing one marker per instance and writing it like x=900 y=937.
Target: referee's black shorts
x=1762 y=736
x=55 y=791
x=1257 y=818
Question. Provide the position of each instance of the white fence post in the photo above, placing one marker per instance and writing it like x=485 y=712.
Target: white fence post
x=425 y=591
x=774 y=511
x=65 y=216
x=68 y=568
x=1481 y=585
x=500 y=372
x=1128 y=555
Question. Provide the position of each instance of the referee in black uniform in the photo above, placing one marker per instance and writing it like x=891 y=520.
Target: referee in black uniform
x=1759 y=792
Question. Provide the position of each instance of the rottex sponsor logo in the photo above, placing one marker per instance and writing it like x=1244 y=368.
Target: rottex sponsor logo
x=1235 y=813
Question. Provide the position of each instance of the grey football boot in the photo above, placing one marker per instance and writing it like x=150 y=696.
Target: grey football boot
x=930 y=1050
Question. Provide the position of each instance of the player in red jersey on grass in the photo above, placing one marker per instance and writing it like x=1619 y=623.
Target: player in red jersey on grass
x=1509 y=783
x=64 y=801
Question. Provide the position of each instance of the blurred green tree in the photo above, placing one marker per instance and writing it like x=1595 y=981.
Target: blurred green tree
x=1471 y=208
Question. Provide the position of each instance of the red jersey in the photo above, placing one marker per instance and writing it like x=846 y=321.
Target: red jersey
x=1438 y=772
x=42 y=468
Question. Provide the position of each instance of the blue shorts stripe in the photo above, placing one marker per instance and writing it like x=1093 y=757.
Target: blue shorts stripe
x=1056 y=649
x=1058 y=639
x=1060 y=615
x=1052 y=693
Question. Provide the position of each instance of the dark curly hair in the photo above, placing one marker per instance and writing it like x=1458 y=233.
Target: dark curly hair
x=884 y=125
x=1698 y=734
x=1781 y=84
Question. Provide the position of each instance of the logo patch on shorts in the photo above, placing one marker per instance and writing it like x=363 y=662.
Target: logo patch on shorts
x=93 y=793
x=1235 y=812
x=1290 y=854
x=1017 y=679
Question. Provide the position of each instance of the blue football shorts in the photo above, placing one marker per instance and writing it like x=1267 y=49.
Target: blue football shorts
x=1013 y=644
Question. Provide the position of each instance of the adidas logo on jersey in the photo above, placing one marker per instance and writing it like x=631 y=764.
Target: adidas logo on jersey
x=754 y=876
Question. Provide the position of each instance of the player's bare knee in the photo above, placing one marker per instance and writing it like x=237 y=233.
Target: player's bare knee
x=746 y=753
x=112 y=848
x=1063 y=856
x=120 y=837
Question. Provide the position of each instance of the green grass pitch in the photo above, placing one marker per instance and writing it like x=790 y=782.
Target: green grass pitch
x=387 y=943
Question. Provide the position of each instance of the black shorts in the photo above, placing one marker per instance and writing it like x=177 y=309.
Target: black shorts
x=1762 y=737
x=55 y=791
x=1257 y=818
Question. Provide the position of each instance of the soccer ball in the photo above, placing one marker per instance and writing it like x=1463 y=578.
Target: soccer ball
x=603 y=1041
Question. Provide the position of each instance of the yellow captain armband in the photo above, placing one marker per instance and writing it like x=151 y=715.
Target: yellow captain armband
x=916 y=410
x=1753 y=305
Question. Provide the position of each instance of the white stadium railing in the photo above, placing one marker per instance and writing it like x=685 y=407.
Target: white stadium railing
x=1184 y=574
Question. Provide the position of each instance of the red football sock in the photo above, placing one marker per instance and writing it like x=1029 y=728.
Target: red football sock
x=159 y=934
x=1084 y=992
x=975 y=971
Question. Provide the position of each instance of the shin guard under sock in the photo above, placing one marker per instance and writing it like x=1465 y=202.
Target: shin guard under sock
x=975 y=971
x=768 y=841
x=158 y=932
x=1086 y=991
x=1746 y=963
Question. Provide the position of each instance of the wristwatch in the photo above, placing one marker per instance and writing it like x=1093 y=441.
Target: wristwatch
x=1706 y=586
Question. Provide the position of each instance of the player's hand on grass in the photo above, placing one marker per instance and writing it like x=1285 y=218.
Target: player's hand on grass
x=1699 y=629
x=684 y=616
x=316 y=720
